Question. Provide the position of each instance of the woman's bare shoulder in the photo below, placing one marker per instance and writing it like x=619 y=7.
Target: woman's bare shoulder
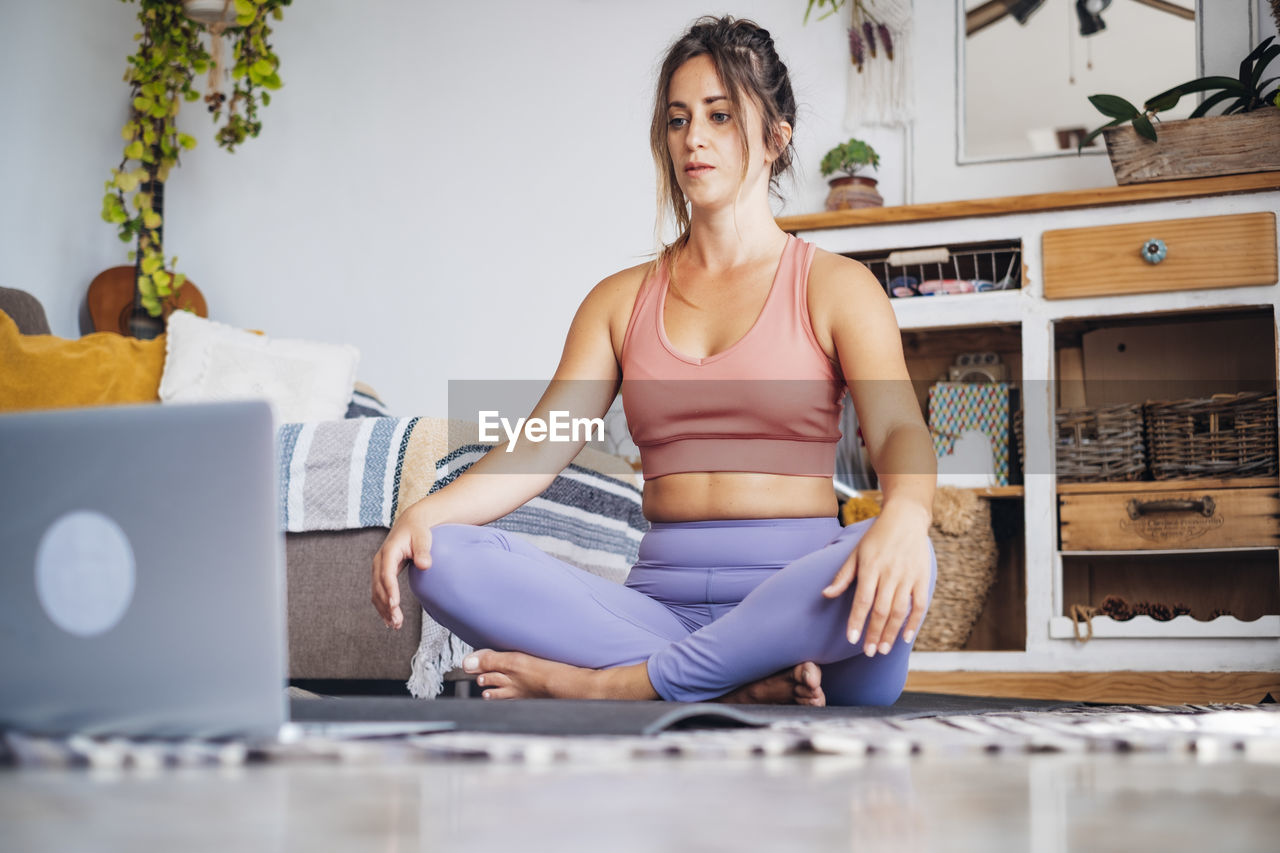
x=843 y=293
x=837 y=278
x=622 y=285
x=608 y=305
x=612 y=299
x=852 y=314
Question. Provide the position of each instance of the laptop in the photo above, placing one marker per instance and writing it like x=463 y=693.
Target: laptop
x=142 y=581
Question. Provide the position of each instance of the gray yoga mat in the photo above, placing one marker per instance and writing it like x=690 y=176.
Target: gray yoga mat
x=607 y=717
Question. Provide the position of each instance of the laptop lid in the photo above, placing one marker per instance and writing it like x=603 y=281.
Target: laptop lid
x=142 y=572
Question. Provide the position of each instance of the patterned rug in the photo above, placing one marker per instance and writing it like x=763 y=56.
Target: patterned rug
x=1251 y=731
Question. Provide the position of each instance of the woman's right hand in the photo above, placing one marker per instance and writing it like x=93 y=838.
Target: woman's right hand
x=407 y=543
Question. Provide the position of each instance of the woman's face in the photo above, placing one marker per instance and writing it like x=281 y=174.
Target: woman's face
x=704 y=138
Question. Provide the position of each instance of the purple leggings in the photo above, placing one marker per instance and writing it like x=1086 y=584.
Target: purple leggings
x=711 y=605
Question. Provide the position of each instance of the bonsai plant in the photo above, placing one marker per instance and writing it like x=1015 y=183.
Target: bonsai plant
x=1240 y=139
x=161 y=76
x=849 y=157
x=851 y=190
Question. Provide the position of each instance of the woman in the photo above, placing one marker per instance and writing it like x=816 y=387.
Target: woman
x=733 y=351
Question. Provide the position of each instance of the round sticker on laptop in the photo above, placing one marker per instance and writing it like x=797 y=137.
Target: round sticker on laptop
x=85 y=573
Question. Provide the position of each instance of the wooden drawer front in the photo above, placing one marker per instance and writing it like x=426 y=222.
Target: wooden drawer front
x=1130 y=521
x=1215 y=251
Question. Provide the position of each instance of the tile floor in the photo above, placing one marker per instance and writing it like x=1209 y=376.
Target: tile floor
x=1049 y=802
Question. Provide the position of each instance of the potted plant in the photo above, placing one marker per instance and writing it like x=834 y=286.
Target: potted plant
x=1240 y=139
x=851 y=190
x=161 y=76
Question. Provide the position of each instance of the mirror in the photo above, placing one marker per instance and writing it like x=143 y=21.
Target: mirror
x=1026 y=72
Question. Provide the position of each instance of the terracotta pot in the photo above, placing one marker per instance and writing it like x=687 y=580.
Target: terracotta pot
x=851 y=193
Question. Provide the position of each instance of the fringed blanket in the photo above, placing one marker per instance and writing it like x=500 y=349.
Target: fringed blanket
x=363 y=472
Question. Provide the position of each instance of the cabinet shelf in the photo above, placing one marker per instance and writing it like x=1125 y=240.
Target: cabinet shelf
x=1166 y=485
x=960 y=309
x=1156 y=552
x=1034 y=203
x=1104 y=627
x=980 y=491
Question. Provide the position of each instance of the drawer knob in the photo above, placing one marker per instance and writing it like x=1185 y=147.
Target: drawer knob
x=1204 y=506
x=1154 y=251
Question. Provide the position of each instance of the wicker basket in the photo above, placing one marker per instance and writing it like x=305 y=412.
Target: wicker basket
x=1095 y=443
x=966 y=549
x=1226 y=435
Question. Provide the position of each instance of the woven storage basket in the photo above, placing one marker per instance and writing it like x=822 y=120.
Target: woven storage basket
x=966 y=549
x=1095 y=443
x=1226 y=435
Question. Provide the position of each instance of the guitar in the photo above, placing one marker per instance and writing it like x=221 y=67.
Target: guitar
x=115 y=305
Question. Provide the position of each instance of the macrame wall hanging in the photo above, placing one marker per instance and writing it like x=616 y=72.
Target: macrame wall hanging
x=880 y=55
x=216 y=15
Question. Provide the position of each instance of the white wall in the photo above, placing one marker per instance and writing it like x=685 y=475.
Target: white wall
x=438 y=183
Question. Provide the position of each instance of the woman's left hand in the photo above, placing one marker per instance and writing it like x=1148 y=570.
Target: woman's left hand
x=891 y=564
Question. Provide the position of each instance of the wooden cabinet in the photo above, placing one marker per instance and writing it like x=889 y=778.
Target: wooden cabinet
x=1092 y=323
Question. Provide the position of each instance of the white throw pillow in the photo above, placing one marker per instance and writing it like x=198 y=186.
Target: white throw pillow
x=303 y=380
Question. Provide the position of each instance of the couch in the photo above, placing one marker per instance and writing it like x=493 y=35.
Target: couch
x=335 y=635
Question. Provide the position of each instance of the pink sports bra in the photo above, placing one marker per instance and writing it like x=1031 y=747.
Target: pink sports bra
x=770 y=403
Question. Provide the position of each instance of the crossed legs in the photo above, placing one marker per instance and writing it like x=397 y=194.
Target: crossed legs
x=549 y=628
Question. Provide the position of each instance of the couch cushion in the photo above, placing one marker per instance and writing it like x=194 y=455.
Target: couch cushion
x=48 y=372
x=303 y=380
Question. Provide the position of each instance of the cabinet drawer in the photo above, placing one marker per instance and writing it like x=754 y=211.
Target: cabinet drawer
x=1151 y=520
x=1213 y=251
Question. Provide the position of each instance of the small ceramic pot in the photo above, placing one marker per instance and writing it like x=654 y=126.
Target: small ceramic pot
x=850 y=193
x=210 y=11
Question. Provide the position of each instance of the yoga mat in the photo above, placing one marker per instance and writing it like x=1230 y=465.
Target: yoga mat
x=609 y=717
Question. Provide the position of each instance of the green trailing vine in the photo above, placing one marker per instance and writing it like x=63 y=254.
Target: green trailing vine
x=161 y=75
x=256 y=70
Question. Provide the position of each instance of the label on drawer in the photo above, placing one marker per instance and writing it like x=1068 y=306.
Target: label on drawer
x=1171 y=530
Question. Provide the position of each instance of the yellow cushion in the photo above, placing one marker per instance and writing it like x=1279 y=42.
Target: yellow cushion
x=48 y=372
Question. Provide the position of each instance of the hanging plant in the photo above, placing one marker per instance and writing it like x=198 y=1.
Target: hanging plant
x=255 y=70
x=161 y=76
x=834 y=4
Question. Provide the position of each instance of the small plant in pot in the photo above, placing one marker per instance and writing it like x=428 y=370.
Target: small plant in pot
x=851 y=190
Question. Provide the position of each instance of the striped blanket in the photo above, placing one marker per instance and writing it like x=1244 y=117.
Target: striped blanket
x=362 y=472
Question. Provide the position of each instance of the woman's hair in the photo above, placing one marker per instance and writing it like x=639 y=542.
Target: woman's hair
x=748 y=65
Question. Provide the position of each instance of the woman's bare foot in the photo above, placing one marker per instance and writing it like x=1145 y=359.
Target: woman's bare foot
x=799 y=685
x=515 y=675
